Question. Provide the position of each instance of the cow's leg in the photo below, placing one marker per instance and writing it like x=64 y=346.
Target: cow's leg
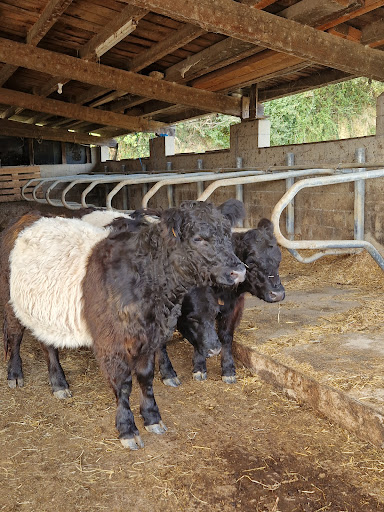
x=59 y=384
x=13 y=334
x=199 y=366
x=144 y=367
x=226 y=328
x=167 y=372
x=118 y=372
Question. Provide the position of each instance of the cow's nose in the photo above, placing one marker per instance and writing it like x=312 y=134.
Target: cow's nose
x=277 y=296
x=214 y=351
x=238 y=276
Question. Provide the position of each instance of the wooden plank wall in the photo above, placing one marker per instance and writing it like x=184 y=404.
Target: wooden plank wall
x=12 y=179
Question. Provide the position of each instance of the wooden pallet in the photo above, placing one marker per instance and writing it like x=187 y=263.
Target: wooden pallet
x=12 y=179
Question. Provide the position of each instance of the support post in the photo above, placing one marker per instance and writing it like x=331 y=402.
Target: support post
x=359 y=204
x=290 y=219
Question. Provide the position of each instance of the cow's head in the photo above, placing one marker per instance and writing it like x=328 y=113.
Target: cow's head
x=197 y=322
x=202 y=247
x=258 y=249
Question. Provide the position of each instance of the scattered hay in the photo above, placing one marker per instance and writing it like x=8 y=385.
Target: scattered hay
x=356 y=270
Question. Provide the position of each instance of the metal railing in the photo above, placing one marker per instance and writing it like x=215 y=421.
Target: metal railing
x=327 y=246
x=152 y=183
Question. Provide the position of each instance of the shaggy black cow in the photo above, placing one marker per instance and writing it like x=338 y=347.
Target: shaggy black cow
x=258 y=249
x=73 y=284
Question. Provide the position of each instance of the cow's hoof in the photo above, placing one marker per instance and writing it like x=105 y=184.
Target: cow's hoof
x=14 y=383
x=133 y=443
x=62 y=394
x=199 y=376
x=229 y=379
x=156 y=428
x=174 y=382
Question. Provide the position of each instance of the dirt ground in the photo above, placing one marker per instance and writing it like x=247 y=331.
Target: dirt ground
x=235 y=447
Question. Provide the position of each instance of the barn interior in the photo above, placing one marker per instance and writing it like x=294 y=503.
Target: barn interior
x=76 y=74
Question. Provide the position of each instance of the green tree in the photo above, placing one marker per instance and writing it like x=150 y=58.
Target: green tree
x=333 y=112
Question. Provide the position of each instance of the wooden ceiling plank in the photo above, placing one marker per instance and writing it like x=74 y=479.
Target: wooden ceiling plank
x=369 y=5
x=6 y=72
x=373 y=32
x=166 y=46
x=261 y=4
x=51 y=13
x=46 y=61
x=59 y=108
x=16 y=129
x=115 y=31
x=220 y=54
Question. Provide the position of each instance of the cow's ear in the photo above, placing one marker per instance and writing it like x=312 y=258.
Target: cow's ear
x=233 y=210
x=173 y=220
x=266 y=224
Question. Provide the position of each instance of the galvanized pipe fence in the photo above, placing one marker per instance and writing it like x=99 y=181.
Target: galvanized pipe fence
x=239 y=177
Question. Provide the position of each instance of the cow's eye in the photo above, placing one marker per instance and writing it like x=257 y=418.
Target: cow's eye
x=198 y=239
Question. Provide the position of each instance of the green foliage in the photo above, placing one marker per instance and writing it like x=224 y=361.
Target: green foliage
x=337 y=111
x=133 y=145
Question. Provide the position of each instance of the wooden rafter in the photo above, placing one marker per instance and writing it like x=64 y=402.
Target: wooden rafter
x=104 y=76
x=168 y=45
x=369 y=5
x=332 y=76
x=60 y=108
x=15 y=129
x=53 y=10
x=261 y=4
x=115 y=31
x=274 y=32
x=373 y=33
x=51 y=13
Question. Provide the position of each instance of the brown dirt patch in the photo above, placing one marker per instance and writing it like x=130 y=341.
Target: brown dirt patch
x=241 y=447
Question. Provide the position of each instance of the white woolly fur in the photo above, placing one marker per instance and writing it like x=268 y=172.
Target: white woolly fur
x=101 y=218
x=47 y=267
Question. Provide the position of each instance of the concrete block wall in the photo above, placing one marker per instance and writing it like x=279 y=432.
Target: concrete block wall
x=320 y=213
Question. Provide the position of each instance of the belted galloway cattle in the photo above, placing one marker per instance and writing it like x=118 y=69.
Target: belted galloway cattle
x=73 y=284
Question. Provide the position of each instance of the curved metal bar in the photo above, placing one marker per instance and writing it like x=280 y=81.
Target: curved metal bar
x=320 y=254
x=86 y=179
x=133 y=178
x=195 y=178
x=28 y=184
x=147 y=179
x=261 y=178
x=324 y=244
x=49 y=190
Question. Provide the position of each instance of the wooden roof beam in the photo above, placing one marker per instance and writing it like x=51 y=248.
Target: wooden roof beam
x=51 y=13
x=369 y=5
x=332 y=76
x=115 y=31
x=60 y=108
x=98 y=45
x=46 y=61
x=179 y=38
x=230 y=51
x=261 y=4
x=176 y=40
x=373 y=33
x=282 y=35
x=16 y=129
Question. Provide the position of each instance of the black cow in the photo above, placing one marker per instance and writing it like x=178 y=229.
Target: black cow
x=204 y=306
